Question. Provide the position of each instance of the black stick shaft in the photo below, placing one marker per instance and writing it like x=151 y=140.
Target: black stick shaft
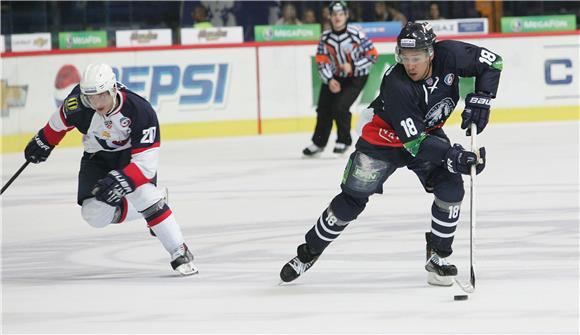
x=14 y=176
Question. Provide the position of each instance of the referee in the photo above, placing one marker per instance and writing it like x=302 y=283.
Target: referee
x=344 y=58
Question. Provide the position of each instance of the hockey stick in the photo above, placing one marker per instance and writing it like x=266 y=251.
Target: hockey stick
x=470 y=287
x=14 y=176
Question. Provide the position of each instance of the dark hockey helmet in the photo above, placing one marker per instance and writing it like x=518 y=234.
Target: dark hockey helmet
x=337 y=6
x=415 y=36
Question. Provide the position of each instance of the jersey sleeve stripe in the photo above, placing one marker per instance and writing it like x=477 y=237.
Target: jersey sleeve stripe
x=132 y=171
x=322 y=59
x=139 y=150
x=52 y=136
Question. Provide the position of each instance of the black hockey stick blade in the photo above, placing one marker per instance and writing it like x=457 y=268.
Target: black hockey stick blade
x=14 y=177
x=472 y=278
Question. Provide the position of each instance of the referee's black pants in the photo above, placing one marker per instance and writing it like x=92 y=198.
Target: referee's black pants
x=336 y=107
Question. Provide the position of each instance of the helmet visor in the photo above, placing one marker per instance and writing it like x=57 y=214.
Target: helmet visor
x=411 y=56
x=99 y=101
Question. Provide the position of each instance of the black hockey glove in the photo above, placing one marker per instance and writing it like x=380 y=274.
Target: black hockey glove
x=38 y=149
x=459 y=160
x=477 y=111
x=113 y=188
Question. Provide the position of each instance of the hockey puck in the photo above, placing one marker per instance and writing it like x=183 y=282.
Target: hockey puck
x=460 y=297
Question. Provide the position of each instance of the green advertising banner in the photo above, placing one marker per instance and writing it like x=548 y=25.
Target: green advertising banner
x=528 y=24
x=371 y=89
x=82 y=39
x=306 y=32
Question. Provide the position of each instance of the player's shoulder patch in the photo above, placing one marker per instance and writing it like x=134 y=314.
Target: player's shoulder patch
x=72 y=105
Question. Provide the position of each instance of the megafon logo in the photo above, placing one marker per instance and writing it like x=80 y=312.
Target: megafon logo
x=66 y=79
x=12 y=96
x=194 y=86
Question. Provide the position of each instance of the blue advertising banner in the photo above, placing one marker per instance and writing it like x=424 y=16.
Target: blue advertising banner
x=379 y=29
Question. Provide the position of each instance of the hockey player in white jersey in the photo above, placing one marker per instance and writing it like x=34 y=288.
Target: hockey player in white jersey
x=118 y=172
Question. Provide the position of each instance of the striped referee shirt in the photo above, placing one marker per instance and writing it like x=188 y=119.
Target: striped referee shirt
x=347 y=46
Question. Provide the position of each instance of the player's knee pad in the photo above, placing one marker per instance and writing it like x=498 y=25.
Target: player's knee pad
x=449 y=187
x=145 y=196
x=96 y=213
x=346 y=207
x=156 y=213
x=364 y=175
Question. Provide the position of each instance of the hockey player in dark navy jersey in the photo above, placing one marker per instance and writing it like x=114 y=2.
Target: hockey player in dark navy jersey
x=344 y=58
x=403 y=128
x=118 y=172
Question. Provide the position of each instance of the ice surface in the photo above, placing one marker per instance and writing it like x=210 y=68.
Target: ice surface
x=245 y=203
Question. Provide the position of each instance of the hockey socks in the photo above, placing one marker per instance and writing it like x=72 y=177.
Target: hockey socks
x=444 y=217
x=327 y=229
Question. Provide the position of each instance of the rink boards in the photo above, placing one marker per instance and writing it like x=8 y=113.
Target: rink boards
x=250 y=88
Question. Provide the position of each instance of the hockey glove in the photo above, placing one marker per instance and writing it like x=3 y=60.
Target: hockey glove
x=459 y=160
x=38 y=149
x=477 y=111
x=113 y=188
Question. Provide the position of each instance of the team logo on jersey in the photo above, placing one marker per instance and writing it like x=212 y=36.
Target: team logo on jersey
x=71 y=104
x=125 y=122
x=105 y=134
x=111 y=145
x=440 y=112
x=108 y=124
x=449 y=79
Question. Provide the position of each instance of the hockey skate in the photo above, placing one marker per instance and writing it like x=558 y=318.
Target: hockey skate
x=340 y=148
x=182 y=261
x=299 y=264
x=312 y=151
x=440 y=271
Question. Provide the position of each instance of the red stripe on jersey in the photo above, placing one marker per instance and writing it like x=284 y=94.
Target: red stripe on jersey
x=52 y=136
x=160 y=218
x=139 y=150
x=378 y=132
x=132 y=171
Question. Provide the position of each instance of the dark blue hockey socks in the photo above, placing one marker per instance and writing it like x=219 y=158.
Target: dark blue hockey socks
x=326 y=230
x=444 y=217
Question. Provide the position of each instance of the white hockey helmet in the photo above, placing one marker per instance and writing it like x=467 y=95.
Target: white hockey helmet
x=96 y=79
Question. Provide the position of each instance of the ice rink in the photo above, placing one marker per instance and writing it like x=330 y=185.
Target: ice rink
x=245 y=203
